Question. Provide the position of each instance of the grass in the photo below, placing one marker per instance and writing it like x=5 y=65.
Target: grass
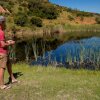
x=80 y=31
x=82 y=28
x=50 y=83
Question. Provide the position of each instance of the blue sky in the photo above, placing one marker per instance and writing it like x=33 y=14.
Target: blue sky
x=84 y=5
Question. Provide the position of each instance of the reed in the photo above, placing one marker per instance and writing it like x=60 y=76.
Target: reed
x=82 y=28
x=90 y=57
x=35 y=49
x=12 y=53
x=27 y=51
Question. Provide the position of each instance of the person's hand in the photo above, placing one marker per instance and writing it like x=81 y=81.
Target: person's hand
x=10 y=42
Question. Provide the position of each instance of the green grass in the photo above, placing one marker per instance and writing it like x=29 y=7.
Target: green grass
x=78 y=35
x=50 y=83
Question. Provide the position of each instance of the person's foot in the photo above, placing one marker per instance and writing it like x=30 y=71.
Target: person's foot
x=4 y=87
x=15 y=81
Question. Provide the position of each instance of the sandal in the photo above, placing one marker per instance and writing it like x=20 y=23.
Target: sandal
x=3 y=87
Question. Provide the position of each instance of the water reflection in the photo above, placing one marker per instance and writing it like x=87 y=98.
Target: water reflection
x=74 y=54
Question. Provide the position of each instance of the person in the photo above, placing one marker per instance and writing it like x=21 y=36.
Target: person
x=4 y=59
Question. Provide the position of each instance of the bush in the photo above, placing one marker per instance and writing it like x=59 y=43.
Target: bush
x=20 y=8
x=43 y=10
x=83 y=14
x=36 y=21
x=7 y=5
x=82 y=18
x=49 y=12
x=70 y=17
x=98 y=20
x=21 y=19
x=34 y=4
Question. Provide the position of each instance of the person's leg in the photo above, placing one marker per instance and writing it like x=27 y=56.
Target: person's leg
x=9 y=68
x=3 y=62
x=2 y=70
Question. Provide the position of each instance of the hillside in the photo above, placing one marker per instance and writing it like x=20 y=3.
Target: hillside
x=36 y=15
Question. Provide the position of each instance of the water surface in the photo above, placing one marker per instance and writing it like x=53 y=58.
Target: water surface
x=85 y=50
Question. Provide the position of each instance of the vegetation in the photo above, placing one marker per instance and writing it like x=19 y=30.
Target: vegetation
x=70 y=17
x=98 y=20
x=49 y=25
x=87 y=58
x=23 y=10
x=21 y=19
x=42 y=19
x=82 y=28
x=7 y=4
x=50 y=83
x=80 y=13
x=36 y=21
x=42 y=9
x=38 y=8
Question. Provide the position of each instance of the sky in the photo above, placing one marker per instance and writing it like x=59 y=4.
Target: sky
x=84 y=5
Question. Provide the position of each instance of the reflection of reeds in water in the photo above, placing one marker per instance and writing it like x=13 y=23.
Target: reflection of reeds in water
x=27 y=50
x=12 y=54
x=90 y=57
x=69 y=57
x=82 y=51
x=35 y=48
x=84 y=55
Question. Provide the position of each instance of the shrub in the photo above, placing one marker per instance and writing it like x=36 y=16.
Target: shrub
x=82 y=18
x=83 y=14
x=43 y=10
x=6 y=4
x=98 y=20
x=20 y=9
x=70 y=17
x=50 y=13
x=79 y=13
x=34 y=4
x=21 y=19
x=69 y=10
x=36 y=21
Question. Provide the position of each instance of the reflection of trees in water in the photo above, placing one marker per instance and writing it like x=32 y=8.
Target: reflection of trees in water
x=34 y=48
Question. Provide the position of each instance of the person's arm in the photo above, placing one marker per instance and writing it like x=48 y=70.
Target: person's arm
x=11 y=42
x=4 y=44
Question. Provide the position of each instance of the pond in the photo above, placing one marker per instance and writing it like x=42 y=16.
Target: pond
x=76 y=53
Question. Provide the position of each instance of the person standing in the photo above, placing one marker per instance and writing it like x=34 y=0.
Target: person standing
x=4 y=59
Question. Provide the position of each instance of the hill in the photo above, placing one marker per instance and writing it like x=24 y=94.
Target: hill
x=40 y=16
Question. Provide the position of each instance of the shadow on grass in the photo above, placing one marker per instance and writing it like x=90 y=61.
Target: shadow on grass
x=16 y=75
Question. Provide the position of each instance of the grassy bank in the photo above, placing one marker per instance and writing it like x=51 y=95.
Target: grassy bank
x=64 y=32
x=41 y=83
x=82 y=28
x=80 y=31
x=78 y=35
